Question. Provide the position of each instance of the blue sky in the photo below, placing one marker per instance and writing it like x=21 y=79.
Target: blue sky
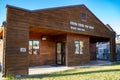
x=108 y=11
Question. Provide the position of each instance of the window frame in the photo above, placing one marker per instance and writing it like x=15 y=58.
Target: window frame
x=33 y=46
x=77 y=47
x=79 y=44
x=83 y=16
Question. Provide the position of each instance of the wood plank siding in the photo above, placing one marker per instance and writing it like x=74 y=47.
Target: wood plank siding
x=58 y=24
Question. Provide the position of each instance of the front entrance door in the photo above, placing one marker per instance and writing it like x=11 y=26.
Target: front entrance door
x=60 y=53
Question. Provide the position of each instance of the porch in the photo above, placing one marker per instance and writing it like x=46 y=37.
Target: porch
x=52 y=68
x=46 y=47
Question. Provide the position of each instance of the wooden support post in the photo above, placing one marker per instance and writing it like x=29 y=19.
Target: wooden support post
x=112 y=49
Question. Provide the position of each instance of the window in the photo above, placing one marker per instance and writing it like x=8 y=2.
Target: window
x=34 y=47
x=83 y=16
x=79 y=47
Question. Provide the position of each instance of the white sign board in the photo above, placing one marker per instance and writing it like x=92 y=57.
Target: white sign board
x=79 y=26
x=22 y=49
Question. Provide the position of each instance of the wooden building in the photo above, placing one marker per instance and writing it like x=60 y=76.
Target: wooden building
x=63 y=35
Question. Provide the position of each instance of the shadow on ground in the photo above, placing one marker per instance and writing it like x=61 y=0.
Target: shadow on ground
x=73 y=72
x=66 y=74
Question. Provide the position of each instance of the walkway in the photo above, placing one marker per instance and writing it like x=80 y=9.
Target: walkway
x=47 y=69
x=54 y=68
x=96 y=63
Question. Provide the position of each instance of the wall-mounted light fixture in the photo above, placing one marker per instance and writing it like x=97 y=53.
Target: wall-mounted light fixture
x=43 y=37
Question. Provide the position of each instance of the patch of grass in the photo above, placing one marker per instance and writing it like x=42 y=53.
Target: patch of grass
x=108 y=72
x=116 y=63
x=10 y=78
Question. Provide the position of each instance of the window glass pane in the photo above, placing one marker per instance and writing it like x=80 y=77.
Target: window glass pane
x=30 y=47
x=35 y=47
x=81 y=47
x=58 y=47
x=83 y=16
x=77 y=47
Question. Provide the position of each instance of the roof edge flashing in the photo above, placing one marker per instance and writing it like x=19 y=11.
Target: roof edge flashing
x=69 y=6
x=109 y=27
x=10 y=6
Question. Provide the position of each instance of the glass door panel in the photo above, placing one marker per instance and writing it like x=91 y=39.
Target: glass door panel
x=60 y=53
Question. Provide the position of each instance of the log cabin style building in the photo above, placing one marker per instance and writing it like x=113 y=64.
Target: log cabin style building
x=64 y=36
